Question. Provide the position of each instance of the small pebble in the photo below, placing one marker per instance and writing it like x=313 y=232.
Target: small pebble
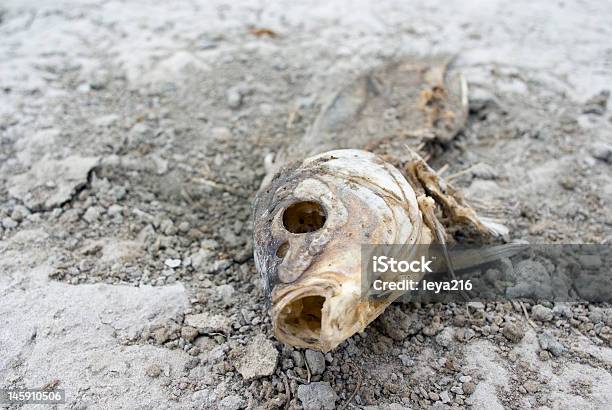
x=469 y=388
x=189 y=333
x=597 y=104
x=298 y=359
x=92 y=214
x=317 y=396
x=513 y=332
x=287 y=364
x=8 y=223
x=20 y=213
x=172 y=263
x=153 y=371
x=445 y=397
x=234 y=98
x=531 y=386
x=549 y=342
x=602 y=151
x=456 y=390
x=541 y=313
x=568 y=183
x=316 y=361
x=233 y=402
x=192 y=363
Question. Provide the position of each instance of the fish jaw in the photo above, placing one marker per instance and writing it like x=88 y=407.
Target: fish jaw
x=322 y=315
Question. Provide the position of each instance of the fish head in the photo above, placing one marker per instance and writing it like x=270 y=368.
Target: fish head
x=310 y=223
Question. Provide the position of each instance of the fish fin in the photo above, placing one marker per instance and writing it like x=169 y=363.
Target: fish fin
x=454 y=206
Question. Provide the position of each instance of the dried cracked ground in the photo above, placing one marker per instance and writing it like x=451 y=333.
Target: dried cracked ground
x=132 y=138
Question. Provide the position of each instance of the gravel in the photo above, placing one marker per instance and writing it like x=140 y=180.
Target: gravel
x=531 y=386
x=597 y=104
x=541 y=313
x=172 y=263
x=445 y=337
x=92 y=214
x=317 y=396
x=548 y=342
x=298 y=358
x=161 y=335
x=233 y=402
x=602 y=151
x=398 y=325
x=207 y=323
x=258 y=359
x=234 y=98
x=9 y=223
x=316 y=361
x=20 y=213
x=468 y=388
x=153 y=371
x=513 y=331
x=445 y=397
x=189 y=333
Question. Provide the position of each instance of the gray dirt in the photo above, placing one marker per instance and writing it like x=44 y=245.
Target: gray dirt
x=132 y=140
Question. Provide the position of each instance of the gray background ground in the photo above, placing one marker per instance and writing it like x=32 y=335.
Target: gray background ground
x=132 y=138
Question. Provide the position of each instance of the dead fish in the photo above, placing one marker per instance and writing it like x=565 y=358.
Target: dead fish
x=312 y=214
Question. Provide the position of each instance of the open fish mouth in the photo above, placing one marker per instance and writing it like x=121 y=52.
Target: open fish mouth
x=310 y=223
x=321 y=316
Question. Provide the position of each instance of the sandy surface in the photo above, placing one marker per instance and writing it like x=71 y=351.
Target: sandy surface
x=132 y=138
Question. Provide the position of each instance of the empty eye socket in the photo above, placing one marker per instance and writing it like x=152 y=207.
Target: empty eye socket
x=303 y=217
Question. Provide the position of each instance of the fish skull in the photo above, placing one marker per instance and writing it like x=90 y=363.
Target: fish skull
x=310 y=224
